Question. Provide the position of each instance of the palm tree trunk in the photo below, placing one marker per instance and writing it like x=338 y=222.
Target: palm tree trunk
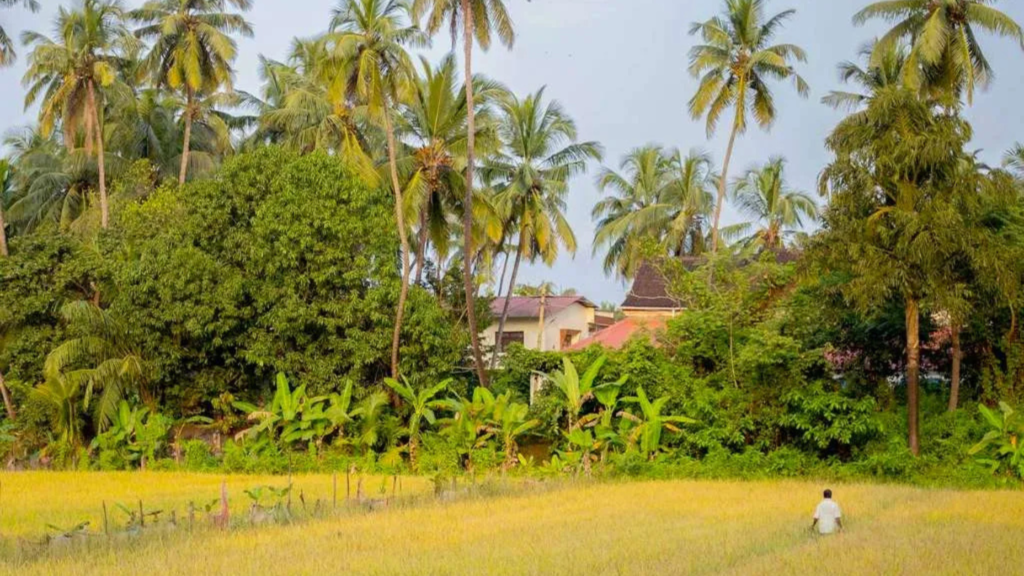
x=3 y=232
x=8 y=404
x=402 y=236
x=954 y=389
x=467 y=217
x=913 y=373
x=100 y=161
x=724 y=183
x=185 y=147
x=504 y=309
x=421 y=249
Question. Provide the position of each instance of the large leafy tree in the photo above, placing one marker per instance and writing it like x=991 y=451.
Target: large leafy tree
x=945 y=51
x=192 y=53
x=897 y=215
x=735 y=63
x=70 y=72
x=764 y=195
x=477 y=20
x=658 y=195
x=7 y=54
x=371 y=38
x=531 y=174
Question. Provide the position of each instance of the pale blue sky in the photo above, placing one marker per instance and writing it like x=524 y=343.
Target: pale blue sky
x=619 y=68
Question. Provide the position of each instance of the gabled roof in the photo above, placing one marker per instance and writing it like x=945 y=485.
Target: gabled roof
x=529 y=306
x=649 y=290
x=617 y=335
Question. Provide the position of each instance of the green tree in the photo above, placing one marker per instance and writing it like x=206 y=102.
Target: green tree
x=70 y=73
x=370 y=36
x=734 y=65
x=531 y=174
x=1014 y=161
x=192 y=53
x=663 y=197
x=7 y=54
x=883 y=68
x=945 y=51
x=477 y=20
x=778 y=210
x=421 y=405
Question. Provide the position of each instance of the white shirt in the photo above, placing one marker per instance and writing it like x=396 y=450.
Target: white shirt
x=826 y=514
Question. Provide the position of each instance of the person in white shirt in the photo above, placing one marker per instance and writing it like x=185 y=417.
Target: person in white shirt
x=828 y=518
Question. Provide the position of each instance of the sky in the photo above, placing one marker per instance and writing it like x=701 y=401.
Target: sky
x=619 y=67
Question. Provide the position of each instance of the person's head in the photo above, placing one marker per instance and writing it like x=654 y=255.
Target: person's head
x=828 y=494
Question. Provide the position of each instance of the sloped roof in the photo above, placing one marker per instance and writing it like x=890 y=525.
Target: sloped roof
x=529 y=306
x=649 y=290
x=617 y=335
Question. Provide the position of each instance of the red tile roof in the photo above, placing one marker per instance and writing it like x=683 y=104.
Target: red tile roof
x=617 y=335
x=529 y=306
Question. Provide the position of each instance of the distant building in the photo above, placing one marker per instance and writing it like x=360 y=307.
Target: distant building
x=566 y=321
x=647 y=308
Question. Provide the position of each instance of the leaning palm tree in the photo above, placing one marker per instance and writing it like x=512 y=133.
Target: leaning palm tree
x=944 y=44
x=192 y=52
x=478 y=20
x=531 y=174
x=778 y=211
x=734 y=65
x=370 y=39
x=70 y=73
x=7 y=54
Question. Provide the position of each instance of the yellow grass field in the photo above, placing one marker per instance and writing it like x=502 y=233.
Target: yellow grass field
x=675 y=527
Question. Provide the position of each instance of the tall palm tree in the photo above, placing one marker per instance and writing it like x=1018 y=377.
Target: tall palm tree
x=763 y=194
x=5 y=196
x=531 y=174
x=883 y=68
x=944 y=45
x=70 y=72
x=734 y=64
x=663 y=197
x=433 y=123
x=7 y=54
x=192 y=52
x=477 y=20
x=370 y=37
x=1014 y=161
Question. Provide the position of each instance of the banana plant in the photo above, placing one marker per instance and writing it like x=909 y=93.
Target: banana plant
x=577 y=390
x=370 y=411
x=421 y=407
x=581 y=447
x=607 y=435
x=509 y=422
x=1002 y=440
x=469 y=426
x=284 y=416
x=650 y=423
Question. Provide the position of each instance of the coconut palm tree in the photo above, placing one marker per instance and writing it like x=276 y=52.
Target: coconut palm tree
x=530 y=174
x=5 y=196
x=883 y=67
x=192 y=52
x=943 y=38
x=433 y=123
x=660 y=196
x=477 y=20
x=370 y=37
x=7 y=54
x=1014 y=161
x=734 y=65
x=778 y=210
x=70 y=73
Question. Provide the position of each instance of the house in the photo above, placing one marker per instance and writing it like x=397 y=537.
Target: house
x=647 y=308
x=545 y=323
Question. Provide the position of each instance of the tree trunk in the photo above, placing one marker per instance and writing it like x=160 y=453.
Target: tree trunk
x=403 y=237
x=3 y=232
x=8 y=403
x=913 y=373
x=100 y=160
x=421 y=248
x=414 y=450
x=185 y=147
x=504 y=310
x=954 y=389
x=724 y=183
x=467 y=217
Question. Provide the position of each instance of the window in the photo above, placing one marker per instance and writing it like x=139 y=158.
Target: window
x=511 y=338
x=567 y=338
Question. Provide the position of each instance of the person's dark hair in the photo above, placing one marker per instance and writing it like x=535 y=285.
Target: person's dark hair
x=828 y=493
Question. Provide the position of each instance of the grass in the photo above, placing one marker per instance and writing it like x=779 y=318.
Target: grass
x=675 y=527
